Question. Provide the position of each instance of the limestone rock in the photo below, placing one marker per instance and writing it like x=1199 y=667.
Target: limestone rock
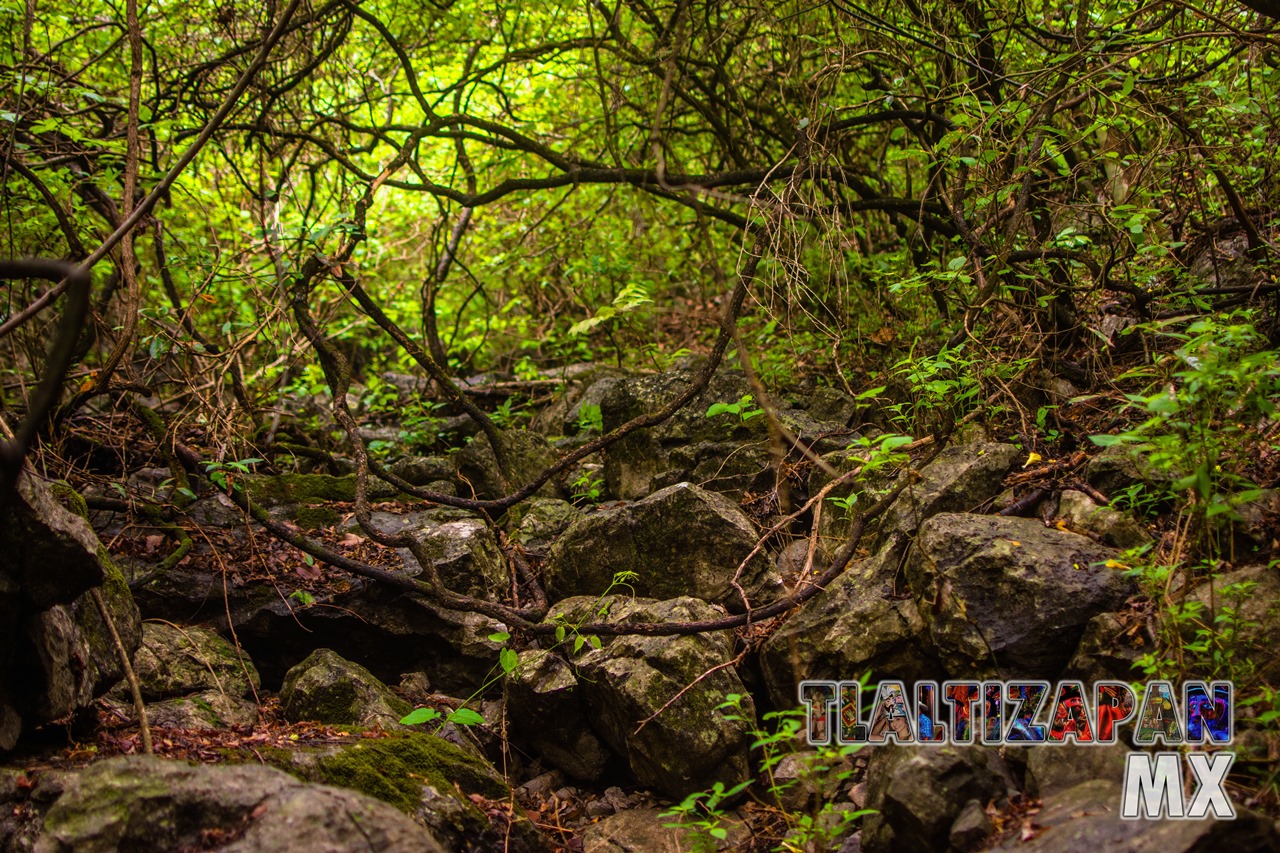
x=919 y=793
x=1087 y=817
x=544 y=705
x=690 y=745
x=859 y=622
x=144 y=803
x=327 y=689
x=175 y=661
x=682 y=540
x=1009 y=597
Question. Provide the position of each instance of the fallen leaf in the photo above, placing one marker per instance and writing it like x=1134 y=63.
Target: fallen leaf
x=883 y=335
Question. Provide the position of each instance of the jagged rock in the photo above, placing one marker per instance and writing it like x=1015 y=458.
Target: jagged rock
x=466 y=555
x=527 y=455
x=919 y=793
x=1050 y=771
x=960 y=479
x=859 y=622
x=1257 y=531
x=632 y=464
x=144 y=803
x=544 y=705
x=441 y=785
x=325 y=688
x=971 y=828
x=1252 y=595
x=1118 y=467
x=729 y=469
x=207 y=709
x=647 y=830
x=686 y=746
x=56 y=653
x=1108 y=650
x=1112 y=527
x=585 y=386
x=422 y=470
x=543 y=521
x=682 y=540
x=1008 y=597
x=1087 y=817
x=174 y=661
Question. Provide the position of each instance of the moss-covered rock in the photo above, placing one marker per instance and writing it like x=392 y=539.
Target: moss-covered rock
x=146 y=803
x=174 y=661
x=527 y=455
x=687 y=744
x=540 y=522
x=327 y=688
x=425 y=776
x=310 y=489
x=681 y=540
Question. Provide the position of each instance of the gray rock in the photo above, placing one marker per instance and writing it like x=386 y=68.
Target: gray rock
x=325 y=688
x=144 y=803
x=632 y=464
x=544 y=705
x=1087 y=817
x=1112 y=527
x=174 y=661
x=682 y=540
x=208 y=709
x=421 y=470
x=646 y=829
x=918 y=793
x=466 y=555
x=683 y=747
x=971 y=828
x=1108 y=650
x=859 y=622
x=543 y=521
x=527 y=455
x=1252 y=595
x=56 y=653
x=1009 y=597
x=1051 y=771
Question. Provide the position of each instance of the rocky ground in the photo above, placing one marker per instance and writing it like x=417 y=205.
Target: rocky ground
x=277 y=687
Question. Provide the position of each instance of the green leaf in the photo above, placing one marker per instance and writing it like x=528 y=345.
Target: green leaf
x=499 y=636
x=509 y=659
x=419 y=715
x=465 y=717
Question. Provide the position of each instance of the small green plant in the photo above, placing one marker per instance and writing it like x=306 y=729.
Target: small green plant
x=703 y=812
x=302 y=597
x=509 y=414
x=219 y=472
x=590 y=420
x=587 y=488
x=744 y=409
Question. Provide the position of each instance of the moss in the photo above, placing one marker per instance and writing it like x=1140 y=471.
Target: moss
x=313 y=517
x=394 y=769
x=301 y=488
x=70 y=499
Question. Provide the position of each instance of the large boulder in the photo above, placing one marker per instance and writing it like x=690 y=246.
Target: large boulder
x=681 y=540
x=452 y=790
x=544 y=705
x=861 y=621
x=1087 y=817
x=1008 y=597
x=960 y=479
x=920 y=792
x=654 y=700
x=526 y=453
x=144 y=803
x=56 y=652
x=632 y=464
x=176 y=661
x=466 y=555
x=325 y=688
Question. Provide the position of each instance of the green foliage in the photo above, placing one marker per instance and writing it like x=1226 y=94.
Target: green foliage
x=1201 y=404
x=744 y=409
x=703 y=811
